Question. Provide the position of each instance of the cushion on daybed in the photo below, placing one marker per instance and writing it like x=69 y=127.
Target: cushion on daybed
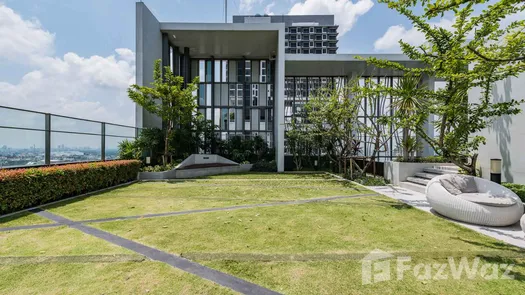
x=487 y=199
x=459 y=184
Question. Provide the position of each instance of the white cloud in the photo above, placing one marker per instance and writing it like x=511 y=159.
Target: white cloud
x=268 y=8
x=390 y=39
x=87 y=87
x=346 y=12
x=246 y=6
x=21 y=39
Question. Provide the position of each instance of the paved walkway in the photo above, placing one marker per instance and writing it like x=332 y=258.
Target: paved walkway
x=509 y=234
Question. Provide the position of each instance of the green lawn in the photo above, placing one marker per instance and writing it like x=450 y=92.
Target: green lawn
x=159 y=197
x=24 y=218
x=312 y=248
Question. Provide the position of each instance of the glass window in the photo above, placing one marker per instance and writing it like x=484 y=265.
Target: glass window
x=217 y=71
x=240 y=72
x=269 y=95
x=208 y=95
x=217 y=117
x=208 y=71
x=232 y=95
x=217 y=94
x=202 y=94
x=248 y=71
x=202 y=72
x=238 y=124
x=224 y=119
x=224 y=77
x=256 y=71
x=224 y=93
x=232 y=71
x=239 y=94
x=208 y=114
x=262 y=94
x=255 y=95
x=263 y=72
x=231 y=119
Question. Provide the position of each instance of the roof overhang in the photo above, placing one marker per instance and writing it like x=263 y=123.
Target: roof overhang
x=342 y=64
x=231 y=40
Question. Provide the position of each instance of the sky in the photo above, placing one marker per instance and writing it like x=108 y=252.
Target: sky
x=77 y=58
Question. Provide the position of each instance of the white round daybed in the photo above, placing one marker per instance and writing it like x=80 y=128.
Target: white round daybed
x=474 y=200
x=523 y=223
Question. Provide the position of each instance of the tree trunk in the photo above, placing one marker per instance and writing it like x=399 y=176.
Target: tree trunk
x=166 y=146
x=405 y=148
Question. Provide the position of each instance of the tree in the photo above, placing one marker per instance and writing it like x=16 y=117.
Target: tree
x=380 y=126
x=332 y=116
x=167 y=98
x=298 y=140
x=474 y=53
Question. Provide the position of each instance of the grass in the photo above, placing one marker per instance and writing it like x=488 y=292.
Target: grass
x=54 y=242
x=344 y=277
x=102 y=278
x=24 y=218
x=337 y=227
x=312 y=248
x=66 y=261
x=158 y=197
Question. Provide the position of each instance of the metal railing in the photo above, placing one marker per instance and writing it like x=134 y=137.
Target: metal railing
x=31 y=138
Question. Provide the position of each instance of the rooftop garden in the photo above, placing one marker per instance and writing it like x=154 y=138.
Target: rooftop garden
x=290 y=233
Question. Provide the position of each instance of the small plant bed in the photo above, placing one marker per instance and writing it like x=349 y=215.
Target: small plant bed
x=518 y=189
x=212 y=165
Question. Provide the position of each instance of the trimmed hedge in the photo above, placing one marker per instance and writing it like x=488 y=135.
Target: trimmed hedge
x=518 y=189
x=24 y=188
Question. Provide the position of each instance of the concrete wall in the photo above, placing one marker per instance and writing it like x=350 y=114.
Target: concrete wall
x=506 y=136
x=397 y=172
x=148 y=49
x=197 y=159
x=192 y=173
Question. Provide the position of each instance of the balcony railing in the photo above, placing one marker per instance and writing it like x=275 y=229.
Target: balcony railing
x=30 y=139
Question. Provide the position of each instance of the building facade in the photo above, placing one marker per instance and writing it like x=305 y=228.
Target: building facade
x=303 y=34
x=249 y=85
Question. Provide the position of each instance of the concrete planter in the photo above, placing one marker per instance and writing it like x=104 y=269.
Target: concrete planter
x=397 y=172
x=192 y=173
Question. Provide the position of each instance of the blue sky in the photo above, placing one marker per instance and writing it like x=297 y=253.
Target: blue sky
x=77 y=57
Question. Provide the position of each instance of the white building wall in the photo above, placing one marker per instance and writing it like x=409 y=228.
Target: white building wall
x=506 y=136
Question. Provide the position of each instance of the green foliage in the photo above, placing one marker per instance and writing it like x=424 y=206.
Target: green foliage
x=368 y=180
x=24 y=188
x=169 y=98
x=147 y=144
x=333 y=125
x=474 y=53
x=127 y=150
x=518 y=189
x=160 y=168
x=265 y=166
x=239 y=149
x=429 y=159
x=188 y=139
x=410 y=146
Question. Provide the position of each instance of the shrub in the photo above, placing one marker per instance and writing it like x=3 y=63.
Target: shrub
x=24 y=188
x=429 y=159
x=265 y=166
x=160 y=168
x=518 y=189
x=368 y=180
